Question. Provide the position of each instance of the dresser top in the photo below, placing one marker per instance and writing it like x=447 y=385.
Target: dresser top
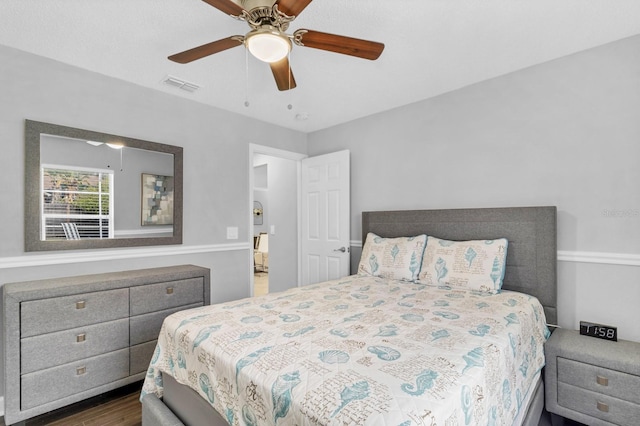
x=41 y=289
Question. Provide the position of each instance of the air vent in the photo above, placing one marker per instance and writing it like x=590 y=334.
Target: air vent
x=181 y=84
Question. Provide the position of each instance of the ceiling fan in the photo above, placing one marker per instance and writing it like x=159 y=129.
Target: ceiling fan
x=268 y=40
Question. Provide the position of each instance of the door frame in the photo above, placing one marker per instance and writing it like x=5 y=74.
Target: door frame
x=287 y=155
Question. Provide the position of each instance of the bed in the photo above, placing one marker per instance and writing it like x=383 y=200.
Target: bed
x=369 y=349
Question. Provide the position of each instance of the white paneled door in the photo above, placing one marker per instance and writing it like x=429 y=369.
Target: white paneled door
x=325 y=217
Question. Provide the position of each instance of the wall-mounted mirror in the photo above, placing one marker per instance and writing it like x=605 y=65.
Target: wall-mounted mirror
x=86 y=189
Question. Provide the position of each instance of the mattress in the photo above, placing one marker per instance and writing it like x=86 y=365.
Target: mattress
x=359 y=350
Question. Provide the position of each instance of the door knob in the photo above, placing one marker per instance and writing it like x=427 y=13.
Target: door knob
x=341 y=249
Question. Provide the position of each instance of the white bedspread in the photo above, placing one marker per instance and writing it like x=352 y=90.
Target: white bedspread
x=360 y=350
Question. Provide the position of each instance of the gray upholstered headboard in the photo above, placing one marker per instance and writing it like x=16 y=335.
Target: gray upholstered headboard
x=531 y=232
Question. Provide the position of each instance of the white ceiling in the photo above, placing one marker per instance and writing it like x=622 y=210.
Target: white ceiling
x=432 y=47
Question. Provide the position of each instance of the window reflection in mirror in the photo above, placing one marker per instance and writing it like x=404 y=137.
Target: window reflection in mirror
x=76 y=203
x=86 y=189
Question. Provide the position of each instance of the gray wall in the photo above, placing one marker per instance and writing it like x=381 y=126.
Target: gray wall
x=564 y=133
x=216 y=166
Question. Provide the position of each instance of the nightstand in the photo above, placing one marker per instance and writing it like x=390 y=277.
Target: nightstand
x=593 y=381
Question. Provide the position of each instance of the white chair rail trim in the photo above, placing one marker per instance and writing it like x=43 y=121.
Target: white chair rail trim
x=93 y=256
x=626 y=259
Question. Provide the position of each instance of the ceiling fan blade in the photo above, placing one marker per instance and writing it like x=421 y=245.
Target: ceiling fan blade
x=283 y=75
x=206 y=49
x=226 y=6
x=339 y=44
x=292 y=7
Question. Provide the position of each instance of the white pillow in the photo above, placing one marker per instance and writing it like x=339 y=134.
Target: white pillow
x=395 y=258
x=472 y=265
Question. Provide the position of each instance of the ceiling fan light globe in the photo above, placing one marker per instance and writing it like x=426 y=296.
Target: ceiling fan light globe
x=268 y=47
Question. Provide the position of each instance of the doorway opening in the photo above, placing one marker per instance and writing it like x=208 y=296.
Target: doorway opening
x=274 y=182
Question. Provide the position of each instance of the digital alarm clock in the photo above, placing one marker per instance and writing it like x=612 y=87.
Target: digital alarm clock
x=600 y=331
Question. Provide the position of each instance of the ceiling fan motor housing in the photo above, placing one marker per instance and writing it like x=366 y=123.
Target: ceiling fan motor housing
x=251 y=4
x=261 y=16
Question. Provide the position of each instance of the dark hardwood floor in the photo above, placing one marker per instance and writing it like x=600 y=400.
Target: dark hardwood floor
x=120 y=407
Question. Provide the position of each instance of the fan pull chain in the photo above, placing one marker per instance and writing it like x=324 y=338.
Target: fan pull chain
x=246 y=74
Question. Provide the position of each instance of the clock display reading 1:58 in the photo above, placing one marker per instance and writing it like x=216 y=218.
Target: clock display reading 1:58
x=598 y=330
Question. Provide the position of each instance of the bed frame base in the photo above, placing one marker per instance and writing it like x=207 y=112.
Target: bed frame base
x=180 y=406
x=154 y=412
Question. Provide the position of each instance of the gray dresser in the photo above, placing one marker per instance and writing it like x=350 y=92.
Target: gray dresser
x=67 y=339
x=593 y=381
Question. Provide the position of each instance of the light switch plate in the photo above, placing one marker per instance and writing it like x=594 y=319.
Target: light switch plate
x=232 y=232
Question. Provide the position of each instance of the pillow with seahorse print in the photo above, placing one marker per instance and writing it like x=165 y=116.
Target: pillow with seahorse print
x=395 y=258
x=471 y=265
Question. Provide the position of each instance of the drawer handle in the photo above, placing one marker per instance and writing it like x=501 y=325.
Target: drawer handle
x=169 y=290
x=80 y=304
x=601 y=380
x=603 y=407
x=81 y=370
x=81 y=337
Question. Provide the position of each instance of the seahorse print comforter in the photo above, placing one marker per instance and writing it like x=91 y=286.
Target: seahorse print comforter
x=360 y=351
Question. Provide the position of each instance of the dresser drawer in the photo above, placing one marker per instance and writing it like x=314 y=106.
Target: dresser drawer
x=598 y=379
x=62 y=347
x=157 y=297
x=58 y=382
x=140 y=357
x=600 y=406
x=62 y=313
x=146 y=327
